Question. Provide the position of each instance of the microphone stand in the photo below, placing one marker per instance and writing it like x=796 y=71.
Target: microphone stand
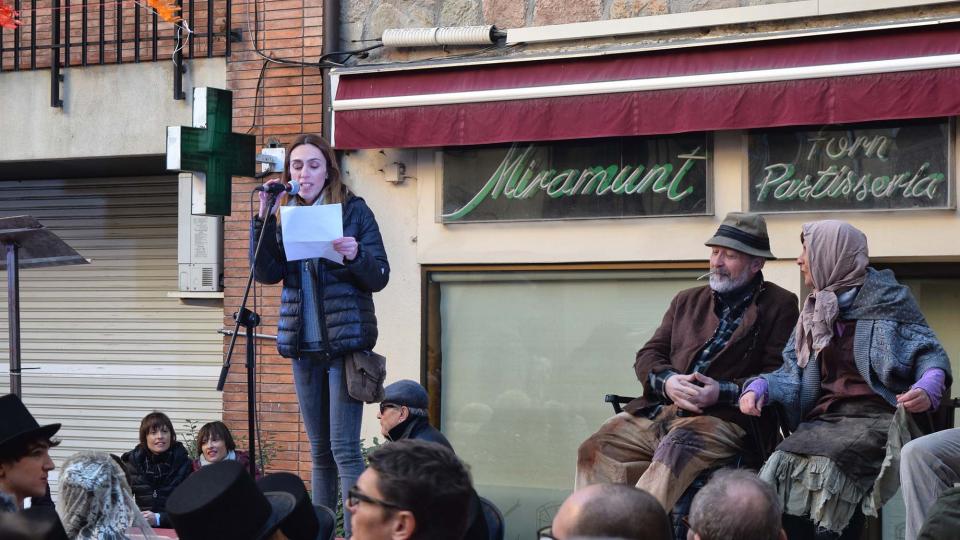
x=249 y=320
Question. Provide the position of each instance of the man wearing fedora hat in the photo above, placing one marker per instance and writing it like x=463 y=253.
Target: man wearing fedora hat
x=711 y=340
x=24 y=451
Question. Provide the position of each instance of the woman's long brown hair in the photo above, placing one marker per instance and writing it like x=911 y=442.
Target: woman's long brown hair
x=334 y=191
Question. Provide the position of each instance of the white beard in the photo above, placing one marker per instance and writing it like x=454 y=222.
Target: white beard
x=724 y=283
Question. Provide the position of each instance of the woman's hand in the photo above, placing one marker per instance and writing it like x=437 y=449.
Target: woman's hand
x=263 y=212
x=347 y=246
x=750 y=404
x=915 y=400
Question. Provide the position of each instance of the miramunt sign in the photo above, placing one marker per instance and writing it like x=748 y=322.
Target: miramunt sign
x=890 y=166
x=598 y=178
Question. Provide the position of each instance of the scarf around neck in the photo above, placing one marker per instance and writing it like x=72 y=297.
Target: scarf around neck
x=837 y=256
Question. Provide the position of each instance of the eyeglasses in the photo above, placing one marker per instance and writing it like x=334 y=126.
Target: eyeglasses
x=546 y=533
x=385 y=406
x=686 y=523
x=355 y=496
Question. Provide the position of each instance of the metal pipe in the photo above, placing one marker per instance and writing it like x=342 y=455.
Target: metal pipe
x=55 y=76
x=331 y=42
x=83 y=33
x=16 y=39
x=13 y=315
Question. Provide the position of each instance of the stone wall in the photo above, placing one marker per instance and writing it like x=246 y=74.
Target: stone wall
x=366 y=19
x=363 y=21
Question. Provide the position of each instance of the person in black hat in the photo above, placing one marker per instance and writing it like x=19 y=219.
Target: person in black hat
x=307 y=521
x=711 y=341
x=403 y=414
x=24 y=451
x=222 y=501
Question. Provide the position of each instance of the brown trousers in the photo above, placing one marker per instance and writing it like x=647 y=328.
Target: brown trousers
x=661 y=456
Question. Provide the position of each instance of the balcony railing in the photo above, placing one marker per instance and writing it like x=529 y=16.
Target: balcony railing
x=57 y=34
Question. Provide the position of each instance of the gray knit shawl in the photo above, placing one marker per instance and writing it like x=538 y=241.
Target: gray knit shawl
x=892 y=347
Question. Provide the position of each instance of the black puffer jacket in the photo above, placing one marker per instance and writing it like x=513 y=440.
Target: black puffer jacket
x=345 y=291
x=152 y=477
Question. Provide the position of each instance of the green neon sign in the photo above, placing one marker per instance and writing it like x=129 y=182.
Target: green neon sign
x=210 y=148
x=620 y=177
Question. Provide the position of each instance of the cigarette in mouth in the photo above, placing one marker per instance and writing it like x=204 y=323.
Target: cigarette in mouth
x=710 y=273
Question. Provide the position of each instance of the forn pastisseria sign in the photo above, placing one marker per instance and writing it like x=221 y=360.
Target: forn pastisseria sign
x=901 y=165
x=597 y=178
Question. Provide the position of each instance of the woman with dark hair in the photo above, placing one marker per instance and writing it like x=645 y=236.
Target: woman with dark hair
x=326 y=310
x=861 y=358
x=155 y=467
x=215 y=444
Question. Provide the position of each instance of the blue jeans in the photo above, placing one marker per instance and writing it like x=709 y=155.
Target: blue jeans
x=332 y=420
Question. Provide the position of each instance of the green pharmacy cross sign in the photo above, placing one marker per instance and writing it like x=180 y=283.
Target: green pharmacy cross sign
x=211 y=150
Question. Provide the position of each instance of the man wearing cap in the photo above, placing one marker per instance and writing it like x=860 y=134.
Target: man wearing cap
x=711 y=340
x=403 y=414
x=24 y=451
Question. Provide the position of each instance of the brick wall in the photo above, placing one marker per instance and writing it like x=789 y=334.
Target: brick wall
x=287 y=103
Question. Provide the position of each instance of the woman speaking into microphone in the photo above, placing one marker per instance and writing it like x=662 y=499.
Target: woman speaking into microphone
x=326 y=310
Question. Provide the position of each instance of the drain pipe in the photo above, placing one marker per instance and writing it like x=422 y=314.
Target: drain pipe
x=331 y=43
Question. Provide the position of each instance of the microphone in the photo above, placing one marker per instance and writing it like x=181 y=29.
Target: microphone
x=277 y=188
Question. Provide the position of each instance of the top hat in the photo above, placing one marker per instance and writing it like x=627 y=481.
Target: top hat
x=222 y=501
x=36 y=523
x=746 y=233
x=406 y=392
x=303 y=523
x=18 y=425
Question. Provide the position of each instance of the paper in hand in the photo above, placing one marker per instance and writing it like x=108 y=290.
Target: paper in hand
x=309 y=231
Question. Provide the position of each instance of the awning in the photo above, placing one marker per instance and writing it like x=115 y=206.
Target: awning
x=841 y=78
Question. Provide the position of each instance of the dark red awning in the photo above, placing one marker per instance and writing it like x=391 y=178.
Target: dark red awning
x=840 y=78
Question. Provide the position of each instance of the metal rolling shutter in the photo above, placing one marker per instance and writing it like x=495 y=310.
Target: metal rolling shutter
x=110 y=344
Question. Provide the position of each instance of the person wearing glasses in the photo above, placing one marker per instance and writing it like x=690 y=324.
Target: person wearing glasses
x=609 y=511
x=403 y=415
x=411 y=490
x=735 y=505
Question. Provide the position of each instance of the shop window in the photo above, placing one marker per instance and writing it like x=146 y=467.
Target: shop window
x=526 y=358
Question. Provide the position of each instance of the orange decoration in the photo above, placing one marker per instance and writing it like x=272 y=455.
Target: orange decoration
x=8 y=17
x=166 y=9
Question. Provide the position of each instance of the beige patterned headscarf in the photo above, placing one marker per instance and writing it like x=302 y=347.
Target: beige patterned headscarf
x=837 y=252
x=95 y=501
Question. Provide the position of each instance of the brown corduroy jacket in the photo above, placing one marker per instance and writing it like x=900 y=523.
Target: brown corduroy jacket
x=755 y=347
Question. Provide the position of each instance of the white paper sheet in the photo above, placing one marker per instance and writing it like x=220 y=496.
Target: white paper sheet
x=309 y=231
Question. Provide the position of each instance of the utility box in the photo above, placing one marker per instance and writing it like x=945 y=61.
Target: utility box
x=199 y=244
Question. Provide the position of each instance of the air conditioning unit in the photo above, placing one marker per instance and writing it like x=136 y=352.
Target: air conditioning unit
x=199 y=244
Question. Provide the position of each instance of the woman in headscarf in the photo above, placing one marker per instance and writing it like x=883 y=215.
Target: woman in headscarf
x=861 y=358
x=95 y=501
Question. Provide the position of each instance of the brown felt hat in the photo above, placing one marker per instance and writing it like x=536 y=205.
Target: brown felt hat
x=743 y=232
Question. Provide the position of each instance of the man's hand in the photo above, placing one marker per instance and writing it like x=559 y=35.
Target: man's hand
x=686 y=391
x=710 y=392
x=915 y=400
x=150 y=517
x=751 y=404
